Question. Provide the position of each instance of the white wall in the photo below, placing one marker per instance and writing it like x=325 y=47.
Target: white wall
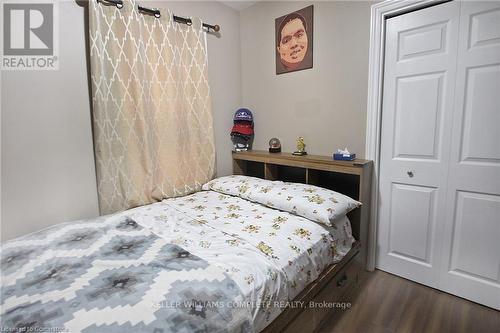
x=48 y=173
x=47 y=160
x=326 y=104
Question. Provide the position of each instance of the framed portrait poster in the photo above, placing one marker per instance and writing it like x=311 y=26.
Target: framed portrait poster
x=294 y=41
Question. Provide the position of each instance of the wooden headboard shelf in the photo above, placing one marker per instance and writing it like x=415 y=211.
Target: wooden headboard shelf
x=352 y=178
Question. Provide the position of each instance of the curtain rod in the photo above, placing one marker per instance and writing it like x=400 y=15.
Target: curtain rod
x=156 y=13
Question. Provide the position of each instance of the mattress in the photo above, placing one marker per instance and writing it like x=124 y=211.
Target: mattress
x=271 y=255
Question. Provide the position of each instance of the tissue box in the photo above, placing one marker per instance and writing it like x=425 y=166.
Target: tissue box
x=344 y=157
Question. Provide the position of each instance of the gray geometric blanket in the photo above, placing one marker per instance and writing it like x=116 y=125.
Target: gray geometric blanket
x=112 y=275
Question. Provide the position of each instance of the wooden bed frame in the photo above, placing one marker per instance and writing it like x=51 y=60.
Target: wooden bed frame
x=352 y=178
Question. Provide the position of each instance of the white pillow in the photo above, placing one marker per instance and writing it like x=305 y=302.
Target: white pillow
x=239 y=186
x=312 y=202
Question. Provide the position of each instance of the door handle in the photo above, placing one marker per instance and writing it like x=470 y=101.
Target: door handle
x=410 y=174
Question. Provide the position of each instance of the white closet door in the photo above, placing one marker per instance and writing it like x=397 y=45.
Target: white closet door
x=419 y=80
x=439 y=221
x=471 y=237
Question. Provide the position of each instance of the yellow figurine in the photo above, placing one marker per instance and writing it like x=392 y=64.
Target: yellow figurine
x=301 y=147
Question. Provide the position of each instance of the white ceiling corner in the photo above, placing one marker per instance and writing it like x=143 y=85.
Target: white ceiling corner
x=239 y=4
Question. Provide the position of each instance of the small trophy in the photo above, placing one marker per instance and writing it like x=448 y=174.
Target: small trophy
x=301 y=147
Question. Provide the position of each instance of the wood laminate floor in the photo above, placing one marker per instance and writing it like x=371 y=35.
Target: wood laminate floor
x=386 y=303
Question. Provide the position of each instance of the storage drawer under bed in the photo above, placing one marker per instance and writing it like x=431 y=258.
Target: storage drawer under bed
x=331 y=296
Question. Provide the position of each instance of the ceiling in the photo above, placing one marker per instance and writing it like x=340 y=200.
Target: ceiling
x=239 y=4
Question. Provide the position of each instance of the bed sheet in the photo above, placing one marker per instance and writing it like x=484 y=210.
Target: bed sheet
x=271 y=255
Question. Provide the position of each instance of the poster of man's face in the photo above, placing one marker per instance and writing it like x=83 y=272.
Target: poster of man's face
x=294 y=41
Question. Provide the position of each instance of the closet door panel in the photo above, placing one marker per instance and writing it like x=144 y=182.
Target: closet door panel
x=411 y=237
x=475 y=247
x=471 y=236
x=419 y=79
x=480 y=116
x=484 y=25
x=418 y=116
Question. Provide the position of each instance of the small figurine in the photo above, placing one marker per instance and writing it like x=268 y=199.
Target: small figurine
x=301 y=147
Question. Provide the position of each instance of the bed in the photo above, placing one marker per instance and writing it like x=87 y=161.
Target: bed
x=210 y=261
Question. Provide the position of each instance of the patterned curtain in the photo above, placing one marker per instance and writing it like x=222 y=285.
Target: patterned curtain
x=153 y=126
